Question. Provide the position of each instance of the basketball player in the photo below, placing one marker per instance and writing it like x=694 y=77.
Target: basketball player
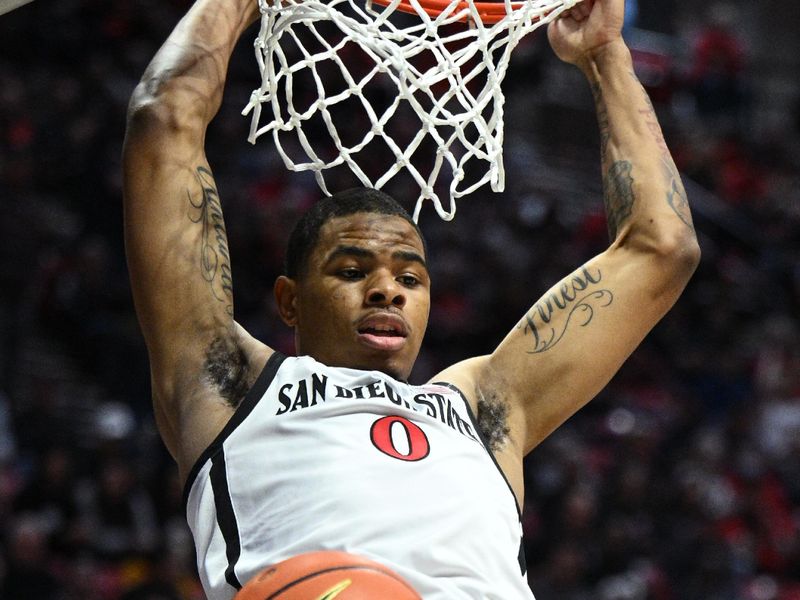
x=332 y=449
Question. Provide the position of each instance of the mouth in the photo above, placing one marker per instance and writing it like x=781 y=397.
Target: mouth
x=383 y=331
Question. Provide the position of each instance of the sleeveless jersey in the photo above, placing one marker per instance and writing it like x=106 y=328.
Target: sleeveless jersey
x=324 y=458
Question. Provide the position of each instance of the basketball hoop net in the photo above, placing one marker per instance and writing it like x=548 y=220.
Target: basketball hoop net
x=347 y=72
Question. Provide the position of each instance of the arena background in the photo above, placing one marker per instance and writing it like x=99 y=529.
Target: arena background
x=680 y=481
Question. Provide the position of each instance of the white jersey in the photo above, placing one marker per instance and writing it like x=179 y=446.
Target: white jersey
x=324 y=458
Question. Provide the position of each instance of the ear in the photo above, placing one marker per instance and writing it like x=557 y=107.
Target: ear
x=286 y=299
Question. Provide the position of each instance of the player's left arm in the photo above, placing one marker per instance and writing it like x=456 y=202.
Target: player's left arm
x=571 y=342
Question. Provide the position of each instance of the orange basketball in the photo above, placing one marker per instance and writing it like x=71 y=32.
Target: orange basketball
x=327 y=575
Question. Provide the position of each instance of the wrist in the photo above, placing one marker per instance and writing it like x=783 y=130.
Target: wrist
x=610 y=56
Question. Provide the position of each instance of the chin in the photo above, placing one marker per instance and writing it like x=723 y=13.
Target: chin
x=396 y=373
x=390 y=368
x=393 y=366
x=399 y=373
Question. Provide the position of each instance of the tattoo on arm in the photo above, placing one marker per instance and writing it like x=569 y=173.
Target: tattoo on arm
x=676 y=194
x=574 y=297
x=618 y=195
x=214 y=257
x=617 y=184
x=602 y=120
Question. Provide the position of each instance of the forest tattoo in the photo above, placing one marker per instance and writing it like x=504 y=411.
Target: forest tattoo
x=548 y=320
x=214 y=257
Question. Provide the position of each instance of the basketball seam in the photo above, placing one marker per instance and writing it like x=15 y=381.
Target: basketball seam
x=291 y=584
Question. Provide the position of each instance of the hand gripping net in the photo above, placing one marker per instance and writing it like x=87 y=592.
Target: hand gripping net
x=339 y=74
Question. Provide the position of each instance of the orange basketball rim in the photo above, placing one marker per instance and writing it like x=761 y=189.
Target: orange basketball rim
x=488 y=12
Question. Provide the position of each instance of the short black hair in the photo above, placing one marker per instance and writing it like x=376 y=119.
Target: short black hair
x=305 y=235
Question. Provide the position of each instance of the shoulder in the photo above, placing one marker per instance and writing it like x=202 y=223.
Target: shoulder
x=464 y=375
x=482 y=392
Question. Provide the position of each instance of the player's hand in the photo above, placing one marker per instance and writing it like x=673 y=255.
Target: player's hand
x=586 y=28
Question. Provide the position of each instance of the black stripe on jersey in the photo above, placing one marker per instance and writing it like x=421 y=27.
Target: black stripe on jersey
x=255 y=394
x=226 y=518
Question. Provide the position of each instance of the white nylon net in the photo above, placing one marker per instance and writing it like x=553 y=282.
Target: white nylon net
x=382 y=92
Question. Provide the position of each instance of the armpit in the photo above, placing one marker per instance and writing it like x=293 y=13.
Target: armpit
x=493 y=420
x=227 y=369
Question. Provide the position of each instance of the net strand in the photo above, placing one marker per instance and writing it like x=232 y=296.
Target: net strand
x=448 y=72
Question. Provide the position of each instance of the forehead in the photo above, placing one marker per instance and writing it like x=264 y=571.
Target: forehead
x=372 y=231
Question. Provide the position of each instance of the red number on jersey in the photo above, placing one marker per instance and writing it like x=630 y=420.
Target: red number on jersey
x=381 y=436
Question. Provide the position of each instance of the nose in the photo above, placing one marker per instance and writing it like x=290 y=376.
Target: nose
x=383 y=290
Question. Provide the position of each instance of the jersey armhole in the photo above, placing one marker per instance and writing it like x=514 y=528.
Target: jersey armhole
x=483 y=439
x=251 y=399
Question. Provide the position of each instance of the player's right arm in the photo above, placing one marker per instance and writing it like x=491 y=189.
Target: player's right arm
x=574 y=339
x=201 y=361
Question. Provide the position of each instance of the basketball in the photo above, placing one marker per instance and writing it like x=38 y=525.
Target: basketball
x=325 y=575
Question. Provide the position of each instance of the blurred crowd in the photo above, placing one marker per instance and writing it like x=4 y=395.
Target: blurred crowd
x=681 y=481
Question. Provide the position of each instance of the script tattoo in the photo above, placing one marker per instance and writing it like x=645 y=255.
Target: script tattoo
x=214 y=257
x=618 y=195
x=571 y=297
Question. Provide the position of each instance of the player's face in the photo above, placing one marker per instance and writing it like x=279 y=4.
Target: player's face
x=365 y=298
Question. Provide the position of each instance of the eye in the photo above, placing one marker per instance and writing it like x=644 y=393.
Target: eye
x=351 y=273
x=408 y=280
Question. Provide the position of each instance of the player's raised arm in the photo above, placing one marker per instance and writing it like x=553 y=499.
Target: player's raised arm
x=174 y=231
x=574 y=339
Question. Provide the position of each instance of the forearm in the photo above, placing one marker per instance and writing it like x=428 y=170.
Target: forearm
x=644 y=197
x=187 y=75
